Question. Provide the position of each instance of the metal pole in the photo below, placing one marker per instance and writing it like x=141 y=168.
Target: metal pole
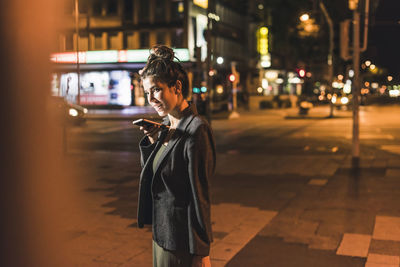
x=365 y=43
x=356 y=89
x=330 y=55
x=234 y=113
x=208 y=63
x=78 y=100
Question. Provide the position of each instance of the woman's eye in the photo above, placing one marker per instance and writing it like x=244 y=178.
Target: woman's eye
x=157 y=89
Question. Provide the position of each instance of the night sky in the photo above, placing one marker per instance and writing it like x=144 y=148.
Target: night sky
x=384 y=40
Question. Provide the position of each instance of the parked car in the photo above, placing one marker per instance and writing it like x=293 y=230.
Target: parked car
x=341 y=101
x=68 y=113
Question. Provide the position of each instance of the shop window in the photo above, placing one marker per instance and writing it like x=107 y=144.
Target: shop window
x=144 y=12
x=112 y=7
x=129 y=40
x=98 y=41
x=177 y=10
x=83 y=42
x=128 y=10
x=159 y=13
x=160 y=37
x=69 y=42
x=113 y=41
x=177 y=38
x=144 y=40
x=97 y=7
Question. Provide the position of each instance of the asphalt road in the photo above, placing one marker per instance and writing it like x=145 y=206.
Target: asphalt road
x=283 y=194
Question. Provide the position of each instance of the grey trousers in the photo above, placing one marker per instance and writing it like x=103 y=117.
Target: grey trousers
x=167 y=258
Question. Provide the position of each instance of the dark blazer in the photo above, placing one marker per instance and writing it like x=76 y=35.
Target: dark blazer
x=175 y=199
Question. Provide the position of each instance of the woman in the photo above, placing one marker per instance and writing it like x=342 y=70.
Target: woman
x=176 y=166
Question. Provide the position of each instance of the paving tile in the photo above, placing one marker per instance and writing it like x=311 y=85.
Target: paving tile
x=340 y=220
x=319 y=182
x=385 y=247
x=241 y=224
x=123 y=253
x=144 y=259
x=324 y=242
x=372 y=264
x=394 y=162
x=224 y=251
x=387 y=228
x=383 y=259
x=354 y=245
x=392 y=173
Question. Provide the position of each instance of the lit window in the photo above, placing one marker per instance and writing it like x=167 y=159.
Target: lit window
x=69 y=42
x=98 y=41
x=144 y=39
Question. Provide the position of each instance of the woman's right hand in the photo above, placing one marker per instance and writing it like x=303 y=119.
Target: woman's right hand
x=151 y=132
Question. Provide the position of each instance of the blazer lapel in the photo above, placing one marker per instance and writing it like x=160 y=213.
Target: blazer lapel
x=189 y=114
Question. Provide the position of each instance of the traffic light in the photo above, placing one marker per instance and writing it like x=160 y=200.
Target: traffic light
x=232 y=78
x=301 y=72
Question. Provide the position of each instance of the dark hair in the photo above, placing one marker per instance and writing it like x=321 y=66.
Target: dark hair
x=162 y=67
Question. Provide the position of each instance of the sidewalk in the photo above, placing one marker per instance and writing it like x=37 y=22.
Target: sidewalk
x=135 y=112
x=278 y=208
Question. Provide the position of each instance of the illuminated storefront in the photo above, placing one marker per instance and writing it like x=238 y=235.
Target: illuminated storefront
x=106 y=77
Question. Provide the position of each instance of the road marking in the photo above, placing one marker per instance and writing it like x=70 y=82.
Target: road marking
x=241 y=223
x=354 y=245
x=382 y=260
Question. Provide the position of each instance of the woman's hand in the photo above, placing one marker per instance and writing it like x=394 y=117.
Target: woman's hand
x=201 y=261
x=151 y=132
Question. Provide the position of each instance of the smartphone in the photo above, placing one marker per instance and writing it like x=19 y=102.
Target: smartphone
x=148 y=123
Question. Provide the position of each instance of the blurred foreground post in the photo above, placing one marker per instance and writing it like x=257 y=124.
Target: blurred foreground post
x=32 y=173
x=356 y=87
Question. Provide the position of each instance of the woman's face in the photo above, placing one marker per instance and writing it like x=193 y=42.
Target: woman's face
x=161 y=97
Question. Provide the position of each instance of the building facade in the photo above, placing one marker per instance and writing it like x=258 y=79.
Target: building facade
x=113 y=38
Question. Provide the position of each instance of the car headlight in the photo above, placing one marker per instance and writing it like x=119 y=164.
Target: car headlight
x=344 y=100
x=85 y=110
x=333 y=99
x=73 y=112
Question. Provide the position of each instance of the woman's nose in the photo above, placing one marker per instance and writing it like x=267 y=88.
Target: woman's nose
x=150 y=97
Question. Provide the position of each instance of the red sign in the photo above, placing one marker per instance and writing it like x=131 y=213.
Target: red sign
x=94 y=99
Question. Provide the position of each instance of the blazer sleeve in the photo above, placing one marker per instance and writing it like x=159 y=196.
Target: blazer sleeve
x=146 y=147
x=201 y=166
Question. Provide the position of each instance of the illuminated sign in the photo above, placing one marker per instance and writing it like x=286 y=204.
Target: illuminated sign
x=113 y=56
x=262 y=41
x=201 y=3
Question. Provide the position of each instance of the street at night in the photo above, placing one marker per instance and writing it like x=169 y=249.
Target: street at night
x=283 y=194
x=200 y=133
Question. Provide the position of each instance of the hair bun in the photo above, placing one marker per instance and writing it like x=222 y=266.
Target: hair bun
x=162 y=52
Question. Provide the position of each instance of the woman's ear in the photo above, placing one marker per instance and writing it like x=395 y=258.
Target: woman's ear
x=178 y=87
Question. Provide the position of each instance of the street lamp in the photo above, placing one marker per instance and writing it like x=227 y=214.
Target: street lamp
x=304 y=17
